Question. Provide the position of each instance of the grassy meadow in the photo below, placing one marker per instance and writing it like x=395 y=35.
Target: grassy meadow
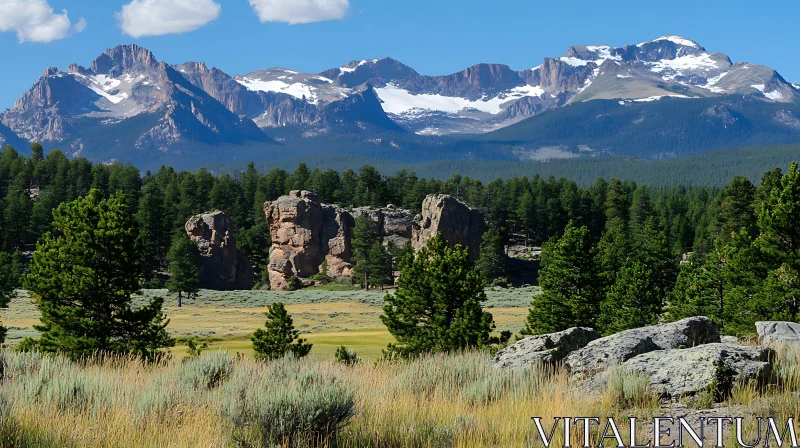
x=224 y=398
x=219 y=400
x=328 y=318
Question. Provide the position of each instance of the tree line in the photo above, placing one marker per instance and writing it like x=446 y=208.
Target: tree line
x=608 y=239
x=533 y=209
x=745 y=269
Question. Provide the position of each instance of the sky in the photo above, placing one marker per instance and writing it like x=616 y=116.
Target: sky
x=435 y=37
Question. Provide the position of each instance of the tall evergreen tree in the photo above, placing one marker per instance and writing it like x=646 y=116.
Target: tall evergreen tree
x=84 y=277
x=634 y=300
x=438 y=304
x=720 y=285
x=780 y=241
x=492 y=260
x=153 y=238
x=183 y=259
x=9 y=281
x=365 y=235
x=736 y=208
x=278 y=337
x=376 y=267
x=572 y=289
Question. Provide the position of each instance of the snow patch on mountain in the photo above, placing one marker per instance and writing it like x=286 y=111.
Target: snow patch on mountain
x=105 y=86
x=603 y=53
x=675 y=40
x=297 y=90
x=400 y=101
x=678 y=65
x=711 y=84
x=346 y=69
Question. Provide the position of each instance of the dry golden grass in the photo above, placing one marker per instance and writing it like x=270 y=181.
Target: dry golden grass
x=457 y=400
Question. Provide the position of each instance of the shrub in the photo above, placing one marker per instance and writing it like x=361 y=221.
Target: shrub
x=346 y=356
x=291 y=403
x=630 y=389
x=206 y=371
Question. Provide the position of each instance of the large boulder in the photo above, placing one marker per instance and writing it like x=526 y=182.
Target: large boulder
x=457 y=223
x=306 y=235
x=222 y=266
x=603 y=353
x=395 y=225
x=544 y=349
x=770 y=332
x=677 y=373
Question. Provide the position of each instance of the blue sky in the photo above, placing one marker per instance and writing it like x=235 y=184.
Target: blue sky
x=433 y=36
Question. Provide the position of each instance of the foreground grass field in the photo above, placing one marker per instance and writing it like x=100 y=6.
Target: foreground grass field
x=328 y=319
x=218 y=400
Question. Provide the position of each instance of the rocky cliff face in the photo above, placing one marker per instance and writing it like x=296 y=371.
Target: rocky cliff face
x=305 y=233
x=457 y=223
x=160 y=108
x=395 y=225
x=222 y=266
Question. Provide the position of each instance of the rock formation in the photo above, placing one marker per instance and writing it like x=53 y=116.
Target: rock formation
x=770 y=332
x=457 y=223
x=547 y=349
x=677 y=373
x=395 y=225
x=603 y=353
x=305 y=234
x=222 y=266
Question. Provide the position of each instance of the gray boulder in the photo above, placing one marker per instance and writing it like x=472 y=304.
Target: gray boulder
x=770 y=332
x=678 y=373
x=605 y=352
x=547 y=348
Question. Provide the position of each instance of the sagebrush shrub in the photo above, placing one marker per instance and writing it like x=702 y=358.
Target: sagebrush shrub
x=290 y=403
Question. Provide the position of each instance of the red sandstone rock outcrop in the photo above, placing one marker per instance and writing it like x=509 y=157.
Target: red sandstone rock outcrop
x=222 y=266
x=306 y=233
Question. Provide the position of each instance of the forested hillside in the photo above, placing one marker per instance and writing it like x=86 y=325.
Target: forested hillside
x=613 y=220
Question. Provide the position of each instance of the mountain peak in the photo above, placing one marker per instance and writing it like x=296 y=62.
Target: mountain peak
x=677 y=40
x=121 y=58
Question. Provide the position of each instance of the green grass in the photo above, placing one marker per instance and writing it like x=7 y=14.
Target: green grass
x=329 y=316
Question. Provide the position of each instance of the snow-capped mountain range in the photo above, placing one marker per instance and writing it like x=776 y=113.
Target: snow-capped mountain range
x=160 y=105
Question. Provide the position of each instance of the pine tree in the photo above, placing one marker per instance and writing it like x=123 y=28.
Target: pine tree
x=736 y=208
x=492 y=260
x=9 y=281
x=365 y=235
x=720 y=285
x=153 y=238
x=376 y=267
x=780 y=241
x=438 y=304
x=84 y=277
x=634 y=300
x=279 y=337
x=571 y=285
x=183 y=259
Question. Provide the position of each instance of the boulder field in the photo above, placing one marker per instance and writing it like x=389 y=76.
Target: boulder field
x=679 y=358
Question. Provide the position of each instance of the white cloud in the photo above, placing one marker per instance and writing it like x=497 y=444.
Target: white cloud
x=35 y=21
x=157 y=17
x=300 y=11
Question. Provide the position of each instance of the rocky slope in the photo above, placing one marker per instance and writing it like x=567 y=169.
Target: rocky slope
x=487 y=97
x=129 y=106
x=124 y=83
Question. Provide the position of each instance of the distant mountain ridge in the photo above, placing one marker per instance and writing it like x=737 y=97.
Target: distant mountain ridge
x=127 y=105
